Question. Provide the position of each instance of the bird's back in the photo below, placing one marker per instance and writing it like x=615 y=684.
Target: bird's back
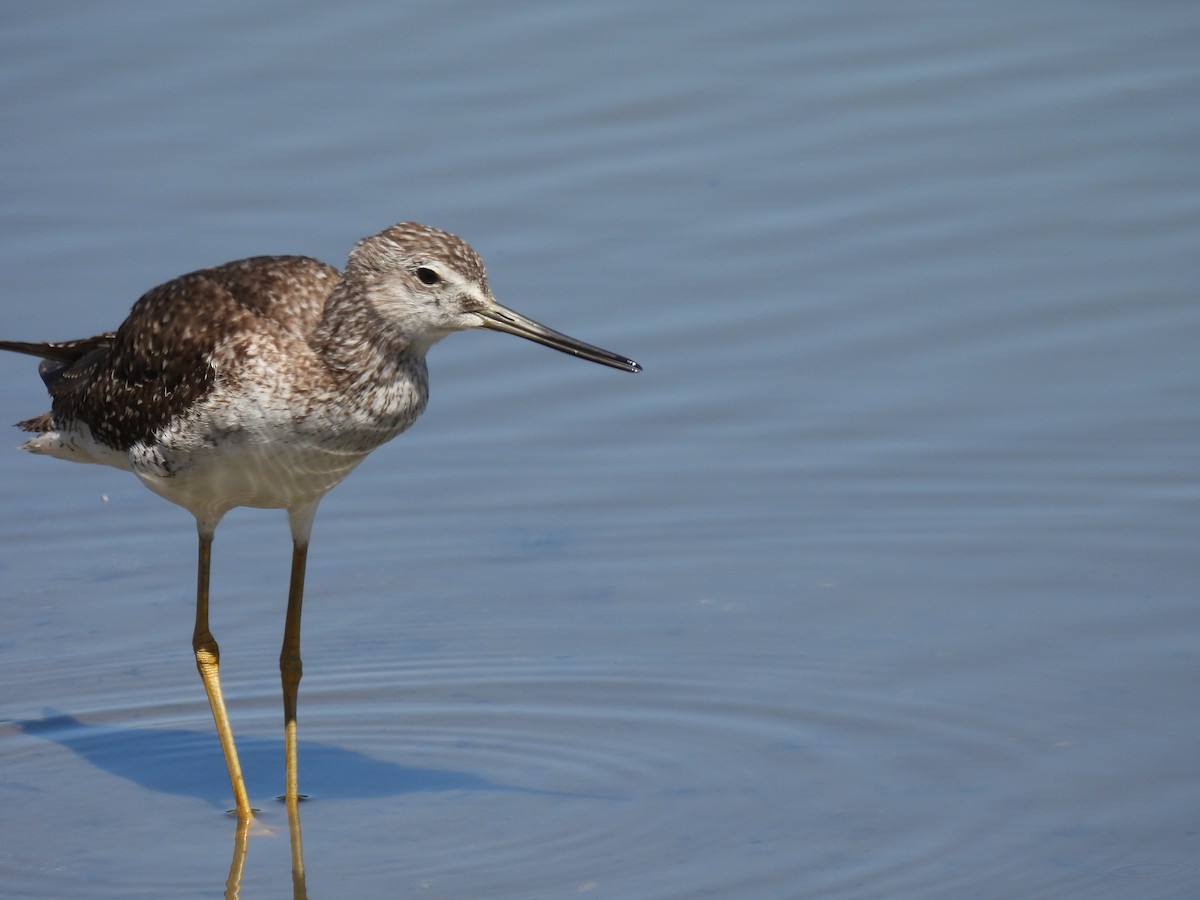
x=127 y=386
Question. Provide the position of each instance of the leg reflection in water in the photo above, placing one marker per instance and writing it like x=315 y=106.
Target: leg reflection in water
x=241 y=841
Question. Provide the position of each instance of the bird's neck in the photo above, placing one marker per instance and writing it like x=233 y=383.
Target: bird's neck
x=363 y=350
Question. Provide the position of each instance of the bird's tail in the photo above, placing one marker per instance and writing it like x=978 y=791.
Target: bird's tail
x=65 y=351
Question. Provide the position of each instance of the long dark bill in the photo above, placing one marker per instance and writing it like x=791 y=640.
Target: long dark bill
x=501 y=318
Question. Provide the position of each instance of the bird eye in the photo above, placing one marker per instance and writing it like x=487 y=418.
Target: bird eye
x=427 y=275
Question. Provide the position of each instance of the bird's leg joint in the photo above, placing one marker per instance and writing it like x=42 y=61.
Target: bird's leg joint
x=208 y=654
x=290 y=667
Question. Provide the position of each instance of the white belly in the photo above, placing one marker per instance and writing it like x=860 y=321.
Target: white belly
x=272 y=475
x=265 y=444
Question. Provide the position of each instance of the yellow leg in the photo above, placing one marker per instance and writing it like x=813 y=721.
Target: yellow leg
x=208 y=657
x=291 y=670
x=299 y=889
x=290 y=667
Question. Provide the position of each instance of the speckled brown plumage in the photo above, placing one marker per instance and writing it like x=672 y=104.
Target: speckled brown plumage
x=263 y=383
x=127 y=385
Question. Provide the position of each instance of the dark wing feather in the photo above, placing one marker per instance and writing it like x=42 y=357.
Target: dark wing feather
x=129 y=384
x=61 y=351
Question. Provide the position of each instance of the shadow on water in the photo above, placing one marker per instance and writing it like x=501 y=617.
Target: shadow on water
x=189 y=763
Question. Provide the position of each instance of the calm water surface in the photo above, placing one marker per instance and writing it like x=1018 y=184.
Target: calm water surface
x=880 y=581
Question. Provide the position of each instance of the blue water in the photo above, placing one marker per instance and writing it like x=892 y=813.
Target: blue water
x=880 y=581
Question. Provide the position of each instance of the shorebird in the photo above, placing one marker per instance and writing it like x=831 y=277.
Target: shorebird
x=263 y=383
